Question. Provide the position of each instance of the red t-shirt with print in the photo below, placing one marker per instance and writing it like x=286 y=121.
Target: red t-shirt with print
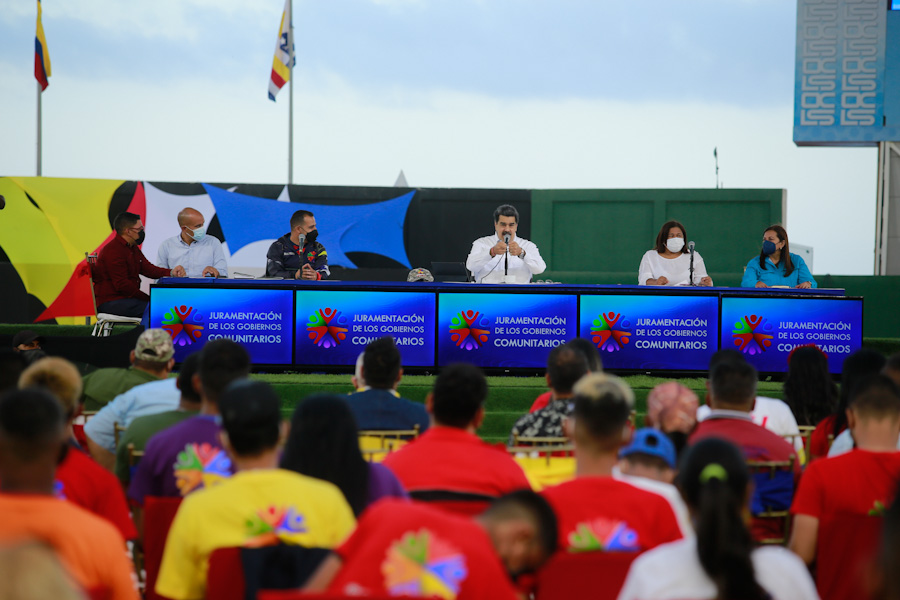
x=848 y=494
x=606 y=514
x=407 y=549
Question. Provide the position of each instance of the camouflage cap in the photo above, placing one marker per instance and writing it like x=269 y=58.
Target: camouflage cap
x=154 y=345
x=420 y=275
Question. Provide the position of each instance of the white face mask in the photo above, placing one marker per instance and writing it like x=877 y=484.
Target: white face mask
x=197 y=234
x=675 y=244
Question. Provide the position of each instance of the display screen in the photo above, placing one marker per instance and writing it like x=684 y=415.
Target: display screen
x=652 y=332
x=503 y=330
x=260 y=320
x=765 y=330
x=334 y=327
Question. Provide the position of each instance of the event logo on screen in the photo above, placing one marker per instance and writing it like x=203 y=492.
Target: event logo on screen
x=610 y=332
x=325 y=329
x=469 y=330
x=753 y=334
x=176 y=323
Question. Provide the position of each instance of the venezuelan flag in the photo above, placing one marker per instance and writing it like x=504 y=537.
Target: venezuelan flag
x=284 y=55
x=41 y=54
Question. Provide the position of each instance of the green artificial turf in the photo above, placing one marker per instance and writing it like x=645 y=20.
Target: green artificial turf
x=508 y=397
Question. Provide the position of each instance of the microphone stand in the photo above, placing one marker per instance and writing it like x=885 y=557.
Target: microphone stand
x=691 y=269
x=506 y=256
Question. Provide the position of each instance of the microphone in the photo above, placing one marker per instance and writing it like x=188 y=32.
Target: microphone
x=302 y=240
x=691 y=270
x=506 y=255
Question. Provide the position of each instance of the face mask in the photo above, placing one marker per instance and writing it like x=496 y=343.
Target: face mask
x=33 y=355
x=197 y=234
x=311 y=236
x=768 y=247
x=140 y=238
x=675 y=244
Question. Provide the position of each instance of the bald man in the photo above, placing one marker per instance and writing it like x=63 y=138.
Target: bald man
x=200 y=254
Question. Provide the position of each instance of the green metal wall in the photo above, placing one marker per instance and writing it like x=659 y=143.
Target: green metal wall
x=599 y=236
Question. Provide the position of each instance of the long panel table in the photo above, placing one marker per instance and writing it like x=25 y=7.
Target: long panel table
x=508 y=327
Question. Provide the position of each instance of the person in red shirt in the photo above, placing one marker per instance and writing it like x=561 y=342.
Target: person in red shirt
x=732 y=394
x=840 y=500
x=416 y=550
x=597 y=512
x=116 y=275
x=32 y=437
x=449 y=464
x=857 y=366
x=78 y=478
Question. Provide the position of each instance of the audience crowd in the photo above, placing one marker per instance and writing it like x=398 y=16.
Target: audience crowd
x=139 y=481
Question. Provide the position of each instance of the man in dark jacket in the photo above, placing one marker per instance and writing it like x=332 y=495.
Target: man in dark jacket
x=297 y=255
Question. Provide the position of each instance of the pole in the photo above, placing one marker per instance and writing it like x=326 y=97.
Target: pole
x=38 y=128
x=291 y=96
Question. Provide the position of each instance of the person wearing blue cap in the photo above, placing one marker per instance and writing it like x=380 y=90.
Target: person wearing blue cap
x=650 y=454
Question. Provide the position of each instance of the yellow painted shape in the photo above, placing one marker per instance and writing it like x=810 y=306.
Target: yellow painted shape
x=45 y=244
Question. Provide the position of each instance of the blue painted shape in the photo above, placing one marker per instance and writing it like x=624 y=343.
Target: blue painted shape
x=376 y=228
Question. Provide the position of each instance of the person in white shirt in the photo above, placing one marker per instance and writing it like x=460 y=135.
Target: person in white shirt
x=491 y=257
x=669 y=263
x=721 y=561
x=200 y=254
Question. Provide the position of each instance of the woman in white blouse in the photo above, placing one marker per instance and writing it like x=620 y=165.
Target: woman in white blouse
x=669 y=263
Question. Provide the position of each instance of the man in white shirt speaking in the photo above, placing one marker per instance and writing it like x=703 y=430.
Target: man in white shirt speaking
x=200 y=254
x=503 y=254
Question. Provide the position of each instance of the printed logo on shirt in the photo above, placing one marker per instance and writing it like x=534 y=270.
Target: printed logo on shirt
x=324 y=328
x=469 y=331
x=200 y=465
x=183 y=332
x=269 y=524
x=877 y=509
x=58 y=491
x=601 y=534
x=421 y=564
x=608 y=333
x=311 y=256
x=753 y=334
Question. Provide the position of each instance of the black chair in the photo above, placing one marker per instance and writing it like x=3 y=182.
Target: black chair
x=449 y=271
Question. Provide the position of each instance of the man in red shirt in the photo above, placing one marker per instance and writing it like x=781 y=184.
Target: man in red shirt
x=416 y=550
x=840 y=500
x=597 y=512
x=116 y=275
x=449 y=464
x=732 y=394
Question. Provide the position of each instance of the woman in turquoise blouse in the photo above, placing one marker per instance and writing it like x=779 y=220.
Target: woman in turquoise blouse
x=776 y=266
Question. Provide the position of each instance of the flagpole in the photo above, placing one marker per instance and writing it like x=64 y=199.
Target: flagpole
x=39 y=128
x=291 y=96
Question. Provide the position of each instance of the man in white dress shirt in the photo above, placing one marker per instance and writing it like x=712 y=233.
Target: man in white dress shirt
x=200 y=254
x=491 y=257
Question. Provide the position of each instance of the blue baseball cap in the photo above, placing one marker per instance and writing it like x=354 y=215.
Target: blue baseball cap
x=652 y=442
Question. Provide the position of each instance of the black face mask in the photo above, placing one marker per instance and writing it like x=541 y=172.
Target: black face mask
x=311 y=236
x=140 y=239
x=32 y=355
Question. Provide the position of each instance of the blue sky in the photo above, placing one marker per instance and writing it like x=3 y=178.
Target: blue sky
x=457 y=93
